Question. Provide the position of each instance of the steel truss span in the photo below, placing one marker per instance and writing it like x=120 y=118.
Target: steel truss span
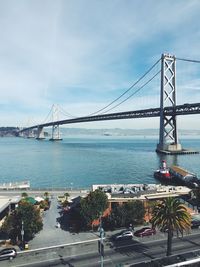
x=185 y=109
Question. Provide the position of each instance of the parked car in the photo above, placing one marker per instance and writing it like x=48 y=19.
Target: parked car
x=57 y=225
x=8 y=253
x=26 y=246
x=128 y=191
x=145 y=231
x=195 y=224
x=124 y=235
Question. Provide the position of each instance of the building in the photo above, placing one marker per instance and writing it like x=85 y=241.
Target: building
x=122 y=193
x=7 y=204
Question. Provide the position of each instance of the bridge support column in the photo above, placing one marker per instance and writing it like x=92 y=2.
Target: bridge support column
x=30 y=134
x=40 y=133
x=22 y=134
x=55 y=133
x=168 y=137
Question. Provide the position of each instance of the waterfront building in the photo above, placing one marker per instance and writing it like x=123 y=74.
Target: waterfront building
x=122 y=193
x=7 y=204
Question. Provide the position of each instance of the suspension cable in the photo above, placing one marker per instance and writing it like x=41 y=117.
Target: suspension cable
x=134 y=92
x=131 y=87
x=188 y=60
x=126 y=90
x=48 y=114
x=66 y=113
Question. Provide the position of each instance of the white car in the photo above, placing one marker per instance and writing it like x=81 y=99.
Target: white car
x=57 y=225
x=8 y=253
x=124 y=235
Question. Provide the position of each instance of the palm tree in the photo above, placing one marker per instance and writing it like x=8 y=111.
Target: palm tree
x=171 y=215
x=66 y=195
x=46 y=195
x=24 y=194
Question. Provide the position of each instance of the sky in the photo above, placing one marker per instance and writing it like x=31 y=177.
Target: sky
x=83 y=54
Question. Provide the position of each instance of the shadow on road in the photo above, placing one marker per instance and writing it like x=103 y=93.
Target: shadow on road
x=128 y=246
x=65 y=262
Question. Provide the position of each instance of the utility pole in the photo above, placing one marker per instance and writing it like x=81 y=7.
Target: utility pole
x=100 y=242
x=22 y=233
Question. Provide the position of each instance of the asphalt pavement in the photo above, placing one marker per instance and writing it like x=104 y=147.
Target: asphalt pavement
x=52 y=235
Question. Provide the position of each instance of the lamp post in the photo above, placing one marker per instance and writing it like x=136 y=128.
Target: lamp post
x=100 y=242
x=22 y=234
x=71 y=186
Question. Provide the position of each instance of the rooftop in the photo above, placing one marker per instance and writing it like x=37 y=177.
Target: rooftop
x=141 y=191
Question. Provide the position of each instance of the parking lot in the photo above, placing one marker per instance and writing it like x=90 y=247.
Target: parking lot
x=51 y=234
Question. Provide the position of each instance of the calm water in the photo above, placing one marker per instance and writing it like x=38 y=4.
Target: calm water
x=81 y=162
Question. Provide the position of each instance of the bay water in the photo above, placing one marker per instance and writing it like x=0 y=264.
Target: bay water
x=78 y=162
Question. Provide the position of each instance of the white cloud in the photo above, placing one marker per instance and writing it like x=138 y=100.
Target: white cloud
x=52 y=50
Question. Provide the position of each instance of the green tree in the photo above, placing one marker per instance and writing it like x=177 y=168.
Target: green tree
x=65 y=203
x=31 y=218
x=128 y=213
x=12 y=226
x=171 y=215
x=117 y=217
x=93 y=206
x=66 y=195
x=24 y=194
x=44 y=204
x=74 y=220
x=134 y=212
x=195 y=196
x=46 y=195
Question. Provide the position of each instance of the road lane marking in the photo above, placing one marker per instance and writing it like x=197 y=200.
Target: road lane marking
x=59 y=246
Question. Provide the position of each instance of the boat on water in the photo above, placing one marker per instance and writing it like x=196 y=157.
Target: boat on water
x=184 y=177
x=177 y=176
x=163 y=173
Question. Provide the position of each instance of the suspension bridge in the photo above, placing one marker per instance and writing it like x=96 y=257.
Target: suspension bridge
x=167 y=112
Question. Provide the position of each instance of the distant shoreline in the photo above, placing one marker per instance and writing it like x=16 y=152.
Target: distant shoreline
x=113 y=132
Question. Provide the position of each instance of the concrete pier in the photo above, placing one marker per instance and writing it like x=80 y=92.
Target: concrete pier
x=55 y=139
x=177 y=152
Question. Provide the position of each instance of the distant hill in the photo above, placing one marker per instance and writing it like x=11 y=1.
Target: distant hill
x=13 y=131
x=122 y=132
x=8 y=131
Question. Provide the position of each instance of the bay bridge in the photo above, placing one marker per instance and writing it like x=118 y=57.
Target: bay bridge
x=167 y=112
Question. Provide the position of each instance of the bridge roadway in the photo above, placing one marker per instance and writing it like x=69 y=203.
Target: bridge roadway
x=185 y=109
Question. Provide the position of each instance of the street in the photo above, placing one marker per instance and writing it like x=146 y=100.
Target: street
x=86 y=254
x=54 y=246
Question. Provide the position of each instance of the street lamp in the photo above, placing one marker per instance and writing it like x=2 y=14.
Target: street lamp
x=22 y=233
x=100 y=242
x=71 y=186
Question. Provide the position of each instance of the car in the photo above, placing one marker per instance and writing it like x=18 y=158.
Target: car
x=195 y=224
x=128 y=191
x=145 y=231
x=8 y=253
x=57 y=225
x=124 y=235
x=26 y=246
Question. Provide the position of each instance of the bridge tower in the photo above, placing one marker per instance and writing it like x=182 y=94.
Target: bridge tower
x=168 y=137
x=40 y=133
x=29 y=133
x=55 y=127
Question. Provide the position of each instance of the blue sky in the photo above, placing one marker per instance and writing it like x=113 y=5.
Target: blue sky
x=82 y=54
